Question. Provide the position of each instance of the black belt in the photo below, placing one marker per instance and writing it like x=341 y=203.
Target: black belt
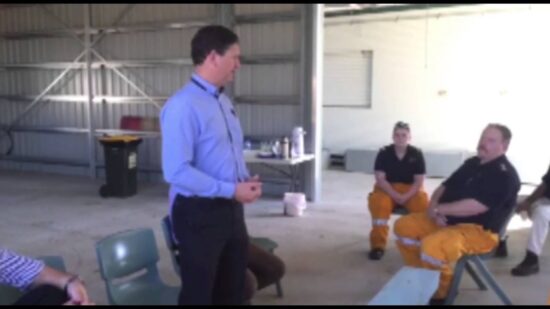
x=214 y=199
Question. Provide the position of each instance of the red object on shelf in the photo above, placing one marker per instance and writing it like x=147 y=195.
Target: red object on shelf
x=131 y=123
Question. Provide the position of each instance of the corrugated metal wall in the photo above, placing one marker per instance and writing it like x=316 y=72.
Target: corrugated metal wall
x=275 y=39
x=278 y=38
x=274 y=86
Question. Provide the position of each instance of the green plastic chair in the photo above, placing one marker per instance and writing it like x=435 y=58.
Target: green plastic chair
x=9 y=295
x=126 y=254
x=54 y=261
x=171 y=243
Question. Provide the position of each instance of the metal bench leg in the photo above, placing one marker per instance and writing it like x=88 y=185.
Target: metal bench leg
x=455 y=283
x=491 y=281
x=278 y=285
x=279 y=288
x=475 y=277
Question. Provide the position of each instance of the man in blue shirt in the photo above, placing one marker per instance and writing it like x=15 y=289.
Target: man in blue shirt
x=202 y=160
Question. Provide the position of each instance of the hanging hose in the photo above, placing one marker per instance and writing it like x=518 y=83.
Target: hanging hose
x=6 y=138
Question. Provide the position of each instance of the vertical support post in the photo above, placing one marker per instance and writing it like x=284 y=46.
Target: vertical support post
x=88 y=79
x=225 y=16
x=311 y=94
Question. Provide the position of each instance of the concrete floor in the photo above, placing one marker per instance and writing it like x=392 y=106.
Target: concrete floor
x=324 y=251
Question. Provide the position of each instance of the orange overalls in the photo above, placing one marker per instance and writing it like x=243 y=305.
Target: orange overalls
x=381 y=206
x=425 y=244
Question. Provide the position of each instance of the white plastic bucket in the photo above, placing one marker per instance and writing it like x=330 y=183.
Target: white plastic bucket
x=294 y=204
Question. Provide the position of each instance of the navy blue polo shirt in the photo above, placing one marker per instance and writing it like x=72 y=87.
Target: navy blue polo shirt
x=494 y=184
x=400 y=171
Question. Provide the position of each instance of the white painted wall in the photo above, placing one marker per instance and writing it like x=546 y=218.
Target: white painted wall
x=494 y=67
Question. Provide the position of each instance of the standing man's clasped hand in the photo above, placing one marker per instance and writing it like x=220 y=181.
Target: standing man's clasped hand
x=249 y=191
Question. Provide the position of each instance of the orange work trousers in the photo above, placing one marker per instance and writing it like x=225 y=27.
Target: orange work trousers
x=381 y=206
x=425 y=244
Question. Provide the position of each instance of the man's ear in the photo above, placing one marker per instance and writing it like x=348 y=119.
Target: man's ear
x=506 y=145
x=212 y=58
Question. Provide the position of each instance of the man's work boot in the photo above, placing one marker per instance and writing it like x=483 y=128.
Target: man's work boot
x=437 y=302
x=529 y=265
x=376 y=254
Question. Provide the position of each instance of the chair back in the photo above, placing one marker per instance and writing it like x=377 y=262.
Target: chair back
x=54 y=261
x=171 y=242
x=127 y=252
x=124 y=254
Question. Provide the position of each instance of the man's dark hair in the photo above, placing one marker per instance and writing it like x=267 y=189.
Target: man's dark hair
x=209 y=38
x=506 y=133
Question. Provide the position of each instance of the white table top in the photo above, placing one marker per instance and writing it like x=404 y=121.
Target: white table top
x=251 y=156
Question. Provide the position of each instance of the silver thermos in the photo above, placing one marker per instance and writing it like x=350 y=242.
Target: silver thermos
x=285 y=151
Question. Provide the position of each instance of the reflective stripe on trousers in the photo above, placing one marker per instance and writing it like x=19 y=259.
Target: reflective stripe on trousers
x=408 y=241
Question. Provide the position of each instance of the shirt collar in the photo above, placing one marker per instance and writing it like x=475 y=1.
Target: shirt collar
x=394 y=151
x=495 y=161
x=209 y=87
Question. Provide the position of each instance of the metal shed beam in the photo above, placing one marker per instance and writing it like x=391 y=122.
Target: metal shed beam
x=396 y=8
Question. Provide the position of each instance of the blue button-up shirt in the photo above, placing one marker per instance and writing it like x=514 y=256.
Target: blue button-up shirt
x=202 y=142
x=17 y=270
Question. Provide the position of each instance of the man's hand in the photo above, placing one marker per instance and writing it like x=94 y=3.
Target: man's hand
x=523 y=206
x=74 y=287
x=402 y=199
x=77 y=294
x=432 y=211
x=397 y=198
x=439 y=219
x=527 y=207
x=248 y=192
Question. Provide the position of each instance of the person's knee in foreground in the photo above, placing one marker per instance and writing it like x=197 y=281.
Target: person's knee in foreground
x=42 y=284
x=467 y=212
x=399 y=170
x=264 y=269
x=537 y=205
x=202 y=160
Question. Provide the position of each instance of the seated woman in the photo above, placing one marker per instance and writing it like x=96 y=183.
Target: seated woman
x=399 y=171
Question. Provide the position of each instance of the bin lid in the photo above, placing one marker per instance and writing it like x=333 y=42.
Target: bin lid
x=119 y=139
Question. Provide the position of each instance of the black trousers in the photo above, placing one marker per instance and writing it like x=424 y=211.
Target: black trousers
x=213 y=244
x=43 y=295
